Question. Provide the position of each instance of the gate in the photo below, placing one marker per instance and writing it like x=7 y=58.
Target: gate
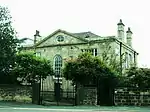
x=53 y=93
x=105 y=96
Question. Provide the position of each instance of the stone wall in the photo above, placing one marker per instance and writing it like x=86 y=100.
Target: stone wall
x=87 y=96
x=15 y=93
x=132 y=96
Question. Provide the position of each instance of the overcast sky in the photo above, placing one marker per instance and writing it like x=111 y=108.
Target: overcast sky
x=98 y=16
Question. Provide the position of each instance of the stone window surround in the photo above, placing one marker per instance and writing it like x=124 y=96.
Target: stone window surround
x=128 y=60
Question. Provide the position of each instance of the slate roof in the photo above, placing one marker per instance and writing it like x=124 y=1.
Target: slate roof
x=83 y=36
x=86 y=35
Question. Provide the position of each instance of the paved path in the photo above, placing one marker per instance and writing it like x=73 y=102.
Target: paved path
x=11 y=107
x=59 y=110
x=18 y=109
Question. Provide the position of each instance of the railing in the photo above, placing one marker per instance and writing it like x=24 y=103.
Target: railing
x=65 y=96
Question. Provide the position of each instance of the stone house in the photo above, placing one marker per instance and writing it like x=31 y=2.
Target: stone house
x=62 y=45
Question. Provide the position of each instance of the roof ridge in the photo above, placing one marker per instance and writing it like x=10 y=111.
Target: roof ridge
x=82 y=32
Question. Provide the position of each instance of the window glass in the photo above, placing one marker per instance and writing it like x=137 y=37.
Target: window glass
x=130 y=58
x=58 y=65
x=126 y=60
x=60 y=38
x=38 y=54
x=93 y=51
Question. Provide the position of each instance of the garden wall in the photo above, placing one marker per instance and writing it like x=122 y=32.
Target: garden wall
x=16 y=93
x=87 y=96
x=132 y=96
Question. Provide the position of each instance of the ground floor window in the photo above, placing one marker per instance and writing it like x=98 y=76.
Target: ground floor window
x=57 y=65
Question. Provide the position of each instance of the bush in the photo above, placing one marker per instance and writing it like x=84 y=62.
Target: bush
x=88 y=70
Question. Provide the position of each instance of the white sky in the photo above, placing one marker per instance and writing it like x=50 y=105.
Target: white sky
x=98 y=16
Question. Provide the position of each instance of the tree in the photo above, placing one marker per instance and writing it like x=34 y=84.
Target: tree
x=92 y=71
x=111 y=58
x=87 y=69
x=29 y=68
x=8 y=42
x=138 y=77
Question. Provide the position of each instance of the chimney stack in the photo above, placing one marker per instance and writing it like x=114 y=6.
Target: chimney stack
x=37 y=37
x=129 y=36
x=121 y=31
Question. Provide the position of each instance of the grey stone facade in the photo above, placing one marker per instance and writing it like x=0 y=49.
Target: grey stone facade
x=62 y=45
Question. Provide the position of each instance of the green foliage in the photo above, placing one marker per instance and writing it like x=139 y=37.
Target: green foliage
x=30 y=68
x=87 y=69
x=138 y=77
x=110 y=58
x=8 y=42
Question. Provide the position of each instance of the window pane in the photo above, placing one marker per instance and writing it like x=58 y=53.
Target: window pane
x=38 y=54
x=92 y=51
x=126 y=60
x=58 y=65
x=95 y=52
x=60 y=38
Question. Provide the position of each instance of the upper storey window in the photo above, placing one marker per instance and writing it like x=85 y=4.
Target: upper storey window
x=60 y=38
x=93 y=51
x=38 y=54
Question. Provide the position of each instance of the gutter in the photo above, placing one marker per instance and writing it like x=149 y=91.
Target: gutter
x=125 y=45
